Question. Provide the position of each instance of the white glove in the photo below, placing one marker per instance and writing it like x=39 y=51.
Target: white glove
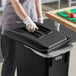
x=40 y=20
x=30 y=25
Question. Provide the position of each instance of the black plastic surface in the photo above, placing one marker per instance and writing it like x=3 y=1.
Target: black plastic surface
x=29 y=63
x=42 y=39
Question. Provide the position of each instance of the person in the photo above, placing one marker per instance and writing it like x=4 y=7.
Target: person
x=27 y=11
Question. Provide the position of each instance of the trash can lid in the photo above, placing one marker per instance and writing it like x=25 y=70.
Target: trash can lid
x=43 y=39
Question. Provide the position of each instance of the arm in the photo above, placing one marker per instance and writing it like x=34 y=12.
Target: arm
x=30 y=25
x=18 y=9
x=39 y=10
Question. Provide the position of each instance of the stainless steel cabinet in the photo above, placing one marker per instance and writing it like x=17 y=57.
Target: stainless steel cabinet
x=2 y=4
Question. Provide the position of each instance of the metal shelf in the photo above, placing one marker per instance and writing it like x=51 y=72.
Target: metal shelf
x=70 y=2
x=50 y=1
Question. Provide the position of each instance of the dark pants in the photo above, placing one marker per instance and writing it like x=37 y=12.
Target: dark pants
x=9 y=53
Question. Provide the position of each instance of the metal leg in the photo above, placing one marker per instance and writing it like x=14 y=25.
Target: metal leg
x=59 y=2
x=2 y=4
x=56 y=26
x=69 y=3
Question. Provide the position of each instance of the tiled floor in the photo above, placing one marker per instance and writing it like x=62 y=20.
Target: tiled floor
x=72 y=69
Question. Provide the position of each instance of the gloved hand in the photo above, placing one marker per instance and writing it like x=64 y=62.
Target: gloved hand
x=30 y=25
x=40 y=20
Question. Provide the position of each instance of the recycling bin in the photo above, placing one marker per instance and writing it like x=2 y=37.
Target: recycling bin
x=44 y=52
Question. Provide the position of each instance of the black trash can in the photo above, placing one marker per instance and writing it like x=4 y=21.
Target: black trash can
x=42 y=53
